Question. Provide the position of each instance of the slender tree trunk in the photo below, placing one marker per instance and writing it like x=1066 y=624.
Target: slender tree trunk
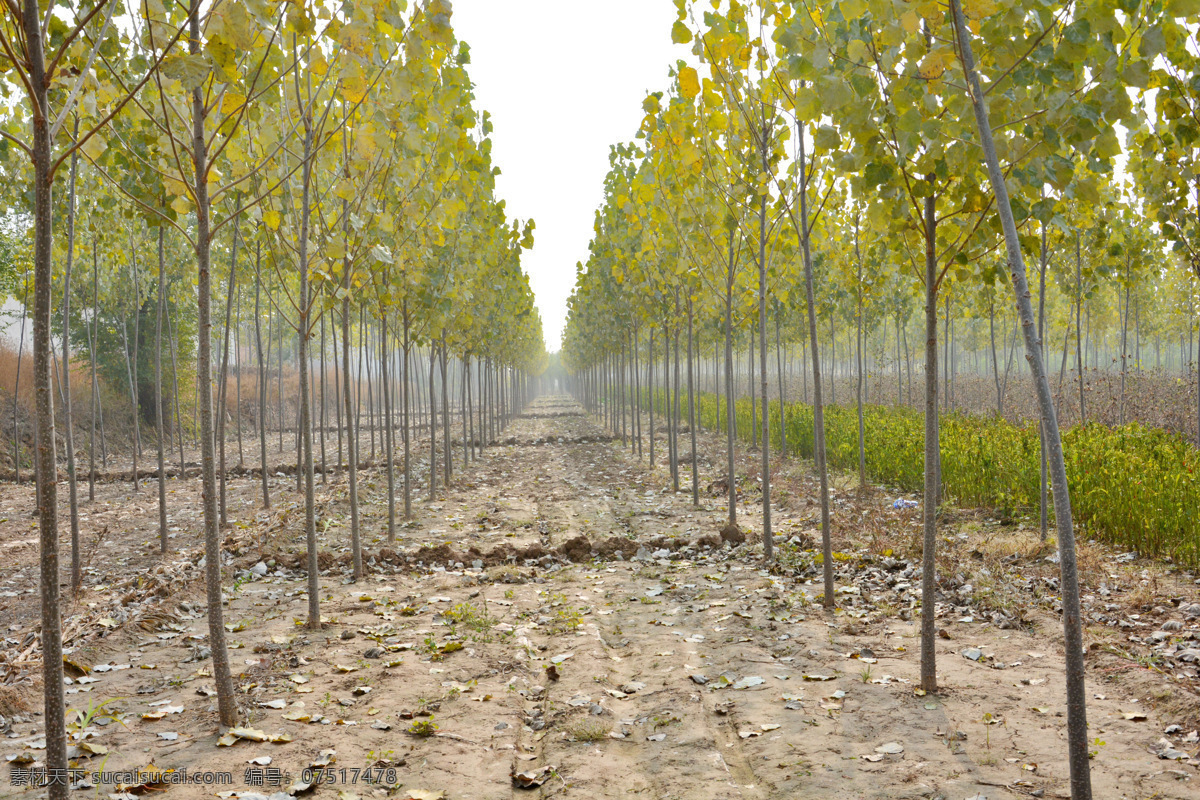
x=338 y=407
x=134 y=367
x=653 y=399
x=470 y=406
x=158 y=397
x=752 y=386
x=995 y=362
x=54 y=708
x=819 y=454
x=262 y=377
x=730 y=471
x=433 y=468
x=1062 y=369
x=1077 y=733
x=620 y=385
x=675 y=417
x=237 y=349
x=1079 y=329
x=833 y=356
x=1124 y=343
x=481 y=391
x=351 y=428
x=667 y=410
x=463 y=389
x=692 y=409
x=1043 y=490
x=929 y=551
x=767 y=537
x=222 y=677
x=637 y=388
x=279 y=419
x=363 y=347
x=406 y=420
x=321 y=419
x=92 y=336
x=304 y=331
x=21 y=358
x=862 y=451
x=174 y=396
x=782 y=397
x=388 y=434
x=223 y=390
x=68 y=412
x=447 y=461
x=907 y=364
x=946 y=360
x=133 y=398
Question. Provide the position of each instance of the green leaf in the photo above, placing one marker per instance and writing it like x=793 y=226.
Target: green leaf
x=680 y=34
x=1153 y=42
x=190 y=70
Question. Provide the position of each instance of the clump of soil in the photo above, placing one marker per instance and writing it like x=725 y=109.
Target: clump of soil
x=577 y=549
x=616 y=544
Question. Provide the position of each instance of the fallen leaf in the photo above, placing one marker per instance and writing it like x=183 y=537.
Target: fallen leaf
x=529 y=779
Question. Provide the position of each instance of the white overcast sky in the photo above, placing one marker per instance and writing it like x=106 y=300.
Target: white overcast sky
x=564 y=80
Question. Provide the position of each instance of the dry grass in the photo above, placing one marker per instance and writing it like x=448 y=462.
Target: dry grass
x=19 y=697
x=588 y=729
x=999 y=544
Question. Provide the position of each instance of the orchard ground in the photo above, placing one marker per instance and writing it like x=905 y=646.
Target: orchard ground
x=560 y=619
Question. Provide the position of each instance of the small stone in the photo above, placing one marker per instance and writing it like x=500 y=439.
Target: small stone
x=972 y=654
x=374 y=652
x=699 y=680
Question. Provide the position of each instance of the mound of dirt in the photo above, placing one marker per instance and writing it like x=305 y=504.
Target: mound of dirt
x=617 y=544
x=577 y=549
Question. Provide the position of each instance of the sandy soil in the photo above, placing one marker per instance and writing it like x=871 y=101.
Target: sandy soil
x=492 y=647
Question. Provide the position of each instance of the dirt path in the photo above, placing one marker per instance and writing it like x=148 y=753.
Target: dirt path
x=640 y=662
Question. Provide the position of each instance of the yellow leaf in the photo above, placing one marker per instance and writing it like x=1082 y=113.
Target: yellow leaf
x=232 y=101
x=689 y=82
x=271 y=218
x=94 y=147
x=181 y=205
